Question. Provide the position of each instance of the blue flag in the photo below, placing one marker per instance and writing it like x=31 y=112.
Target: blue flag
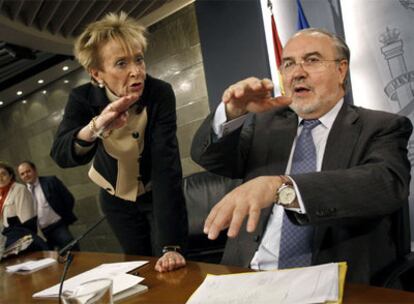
x=302 y=22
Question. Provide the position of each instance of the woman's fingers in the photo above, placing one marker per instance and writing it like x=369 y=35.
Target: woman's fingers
x=170 y=261
x=115 y=114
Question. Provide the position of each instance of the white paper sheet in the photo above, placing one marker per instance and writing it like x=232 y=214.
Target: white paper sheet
x=316 y=284
x=31 y=266
x=115 y=271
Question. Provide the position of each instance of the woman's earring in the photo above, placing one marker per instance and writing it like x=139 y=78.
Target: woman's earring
x=100 y=84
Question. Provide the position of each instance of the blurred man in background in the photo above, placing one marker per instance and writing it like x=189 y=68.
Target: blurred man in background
x=54 y=204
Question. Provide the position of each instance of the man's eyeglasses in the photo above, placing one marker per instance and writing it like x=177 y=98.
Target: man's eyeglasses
x=309 y=65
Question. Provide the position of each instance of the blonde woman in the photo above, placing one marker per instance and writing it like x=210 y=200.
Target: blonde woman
x=125 y=121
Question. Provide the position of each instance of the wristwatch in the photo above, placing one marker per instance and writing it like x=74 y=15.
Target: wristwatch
x=169 y=248
x=286 y=194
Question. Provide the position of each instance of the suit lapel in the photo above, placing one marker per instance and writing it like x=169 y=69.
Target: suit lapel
x=45 y=188
x=98 y=99
x=341 y=140
x=340 y=145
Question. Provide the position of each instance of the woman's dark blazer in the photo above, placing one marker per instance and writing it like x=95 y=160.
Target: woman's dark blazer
x=160 y=163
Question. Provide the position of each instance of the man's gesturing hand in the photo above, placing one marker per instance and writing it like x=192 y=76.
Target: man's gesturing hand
x=246 y=200
x=251 y=95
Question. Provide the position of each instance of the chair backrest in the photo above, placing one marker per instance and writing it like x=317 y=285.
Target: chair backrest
x=202 y=191
x=399 y=274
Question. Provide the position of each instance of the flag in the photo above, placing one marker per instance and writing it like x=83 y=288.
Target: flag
x=302 y=21
x=277 y=45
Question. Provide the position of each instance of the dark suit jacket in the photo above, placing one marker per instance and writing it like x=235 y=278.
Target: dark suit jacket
x=358 y=203
x=58 y=197
x=160 y=163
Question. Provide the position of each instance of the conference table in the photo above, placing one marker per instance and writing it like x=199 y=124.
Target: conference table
x=171 y=287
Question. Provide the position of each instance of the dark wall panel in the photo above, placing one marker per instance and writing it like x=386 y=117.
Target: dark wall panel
x=232 y=42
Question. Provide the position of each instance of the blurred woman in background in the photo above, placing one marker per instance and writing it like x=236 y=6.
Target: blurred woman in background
x=18 y=215
x=125 y=121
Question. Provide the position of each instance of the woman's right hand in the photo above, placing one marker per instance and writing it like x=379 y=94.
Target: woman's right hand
x=113 y=116
x=170 y=261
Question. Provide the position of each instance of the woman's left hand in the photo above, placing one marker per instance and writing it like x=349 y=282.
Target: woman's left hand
x=171 y=260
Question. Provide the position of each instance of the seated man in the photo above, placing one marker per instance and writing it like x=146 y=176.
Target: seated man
x=325 y=181
x=54 y=205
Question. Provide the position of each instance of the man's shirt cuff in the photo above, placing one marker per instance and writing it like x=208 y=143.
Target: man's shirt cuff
x=220 y=125
x=301 y=209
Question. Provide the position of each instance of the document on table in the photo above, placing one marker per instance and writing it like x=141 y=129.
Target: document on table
x=116 y=271
x=315 y=284
x=31 y=266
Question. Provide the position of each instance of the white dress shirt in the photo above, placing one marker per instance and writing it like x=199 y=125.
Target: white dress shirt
x=45 y=214
x=267 y=255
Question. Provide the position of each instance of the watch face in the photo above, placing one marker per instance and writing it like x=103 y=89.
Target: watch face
x=287 y=195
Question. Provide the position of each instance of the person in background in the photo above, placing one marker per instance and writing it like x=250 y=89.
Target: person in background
x=18 y=216
x=325 y=181
x=53 y=204
x=125 y=120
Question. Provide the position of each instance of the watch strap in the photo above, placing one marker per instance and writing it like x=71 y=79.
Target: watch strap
x=285 y=181
x=169 y=248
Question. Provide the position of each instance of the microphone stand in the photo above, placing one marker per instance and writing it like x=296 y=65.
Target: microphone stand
x=68 y=261
x=69 y=256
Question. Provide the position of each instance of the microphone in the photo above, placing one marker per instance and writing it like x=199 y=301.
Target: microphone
x=70 y=245
x=69 y=257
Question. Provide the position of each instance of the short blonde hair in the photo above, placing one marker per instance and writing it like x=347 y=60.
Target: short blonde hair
x=119 y=27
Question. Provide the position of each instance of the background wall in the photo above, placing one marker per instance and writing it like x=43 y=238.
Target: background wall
x=233 y=43
x=27 y=129
x=382 y=64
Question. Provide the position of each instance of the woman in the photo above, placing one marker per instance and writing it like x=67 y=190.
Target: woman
x=125 y=121
x=18 y=216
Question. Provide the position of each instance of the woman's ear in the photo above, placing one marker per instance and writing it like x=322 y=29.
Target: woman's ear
x=96 y=79
x=95 y=75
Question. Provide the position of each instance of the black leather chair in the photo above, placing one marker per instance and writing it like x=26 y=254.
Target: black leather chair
x=202 y=191
x=401 y=276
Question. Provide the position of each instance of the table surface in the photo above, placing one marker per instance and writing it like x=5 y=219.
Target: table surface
x=171 y=287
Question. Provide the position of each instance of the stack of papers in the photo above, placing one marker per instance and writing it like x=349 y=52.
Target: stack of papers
x=31 y=266
x=316 y=284
x=18 y=246
x=123 y=284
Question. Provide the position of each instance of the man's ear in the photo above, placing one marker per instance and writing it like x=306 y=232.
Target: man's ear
x=343 y=67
